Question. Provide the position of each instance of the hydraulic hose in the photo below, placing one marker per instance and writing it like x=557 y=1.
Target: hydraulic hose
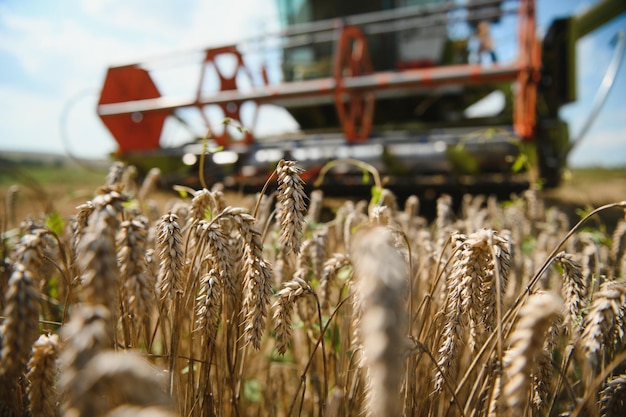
x=603 y=92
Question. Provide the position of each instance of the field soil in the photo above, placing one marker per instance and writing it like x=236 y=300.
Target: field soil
x=583 y=190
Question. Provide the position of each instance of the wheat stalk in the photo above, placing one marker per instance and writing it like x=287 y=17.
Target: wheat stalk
x=10 y=204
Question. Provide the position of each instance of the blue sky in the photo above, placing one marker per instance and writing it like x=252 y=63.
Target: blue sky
x=54 y=56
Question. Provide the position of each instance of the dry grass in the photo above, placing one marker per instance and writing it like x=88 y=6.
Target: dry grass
x=195 y=307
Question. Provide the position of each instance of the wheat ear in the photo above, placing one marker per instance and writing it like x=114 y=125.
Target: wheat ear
x=219 y=283
x=17 y=334
x=445 y=213
x=88 y=332
x=257 y=277
x=136 y=281
x=313 y=250
x=542 y=374
x=97 y=250
x=291 y=205
x=42 y=374
x=283 y=310
x=202 y=203
x=149 y=183
x=21 y=324
x=139 y=411
x=209 y=304
x=30 y=251
x=480 y=273
x=572 y=289
x=381 y=275
x=613 y=397
x=605 y=323
x=80 y=221
x=220 y=256
x=115 y=174
x=111 y=379
x=169 y=244
x=329 y=273
x=316 y=204
x=618 y=246
x=526 y=342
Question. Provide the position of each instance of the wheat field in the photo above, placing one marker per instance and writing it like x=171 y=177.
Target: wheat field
x=202 y=308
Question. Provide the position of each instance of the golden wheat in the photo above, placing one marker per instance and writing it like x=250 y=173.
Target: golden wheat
x=195 y=307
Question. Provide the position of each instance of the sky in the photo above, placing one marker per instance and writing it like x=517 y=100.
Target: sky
x=54 y=56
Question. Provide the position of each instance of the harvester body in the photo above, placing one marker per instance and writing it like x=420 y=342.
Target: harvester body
x=383 y=82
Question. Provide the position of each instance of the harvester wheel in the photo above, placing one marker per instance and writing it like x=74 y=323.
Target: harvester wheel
x=355 y=109
x=231 y=110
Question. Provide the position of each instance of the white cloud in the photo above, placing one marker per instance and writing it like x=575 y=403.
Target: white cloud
x=605 y=142
x=34 y=124
x=15 y=129
x=67 y=53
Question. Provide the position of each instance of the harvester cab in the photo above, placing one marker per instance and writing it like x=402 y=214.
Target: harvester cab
x=401 y=85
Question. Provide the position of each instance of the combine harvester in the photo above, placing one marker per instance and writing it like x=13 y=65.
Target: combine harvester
x=390 y=83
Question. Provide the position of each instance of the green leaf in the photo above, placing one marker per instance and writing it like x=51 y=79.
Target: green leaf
x=252 y=390
x=377 y=194
x=55 y=222
x=53 y=288
x=520 y=162
x=462 y=159
x=366 y=176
